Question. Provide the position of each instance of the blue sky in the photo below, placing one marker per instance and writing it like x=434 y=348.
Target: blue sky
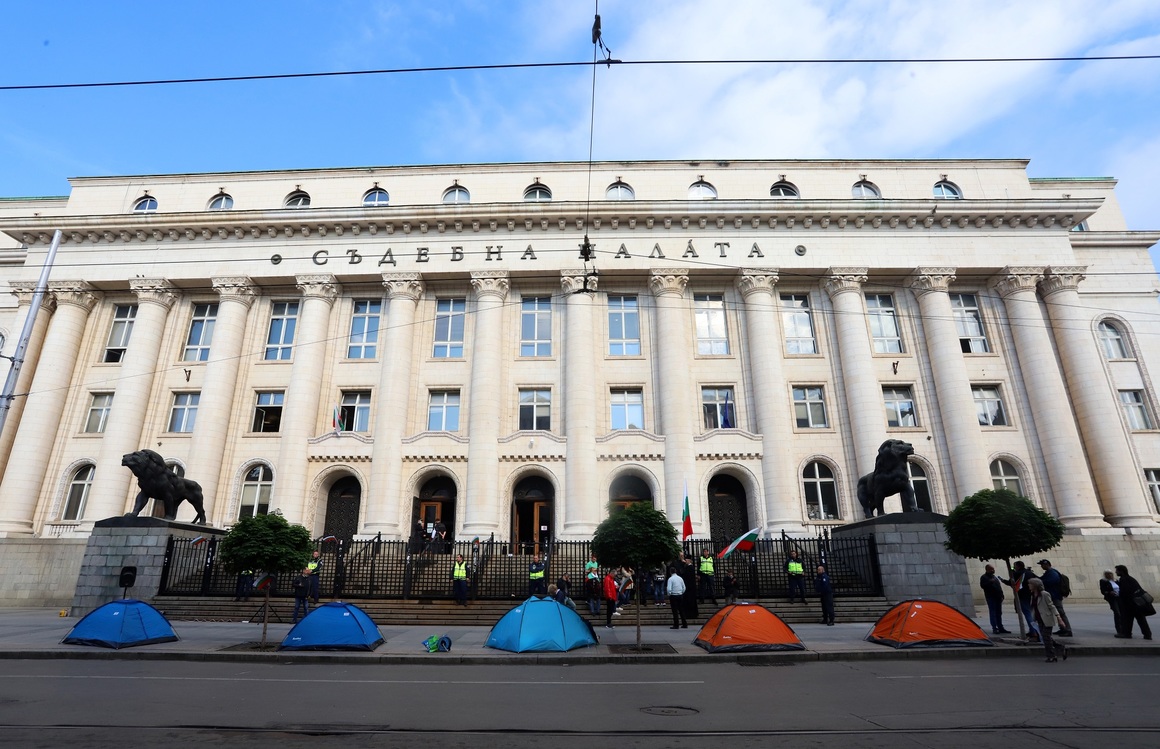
x=1069 y=119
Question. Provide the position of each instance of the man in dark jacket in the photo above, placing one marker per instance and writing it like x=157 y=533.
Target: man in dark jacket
x=1130 y=611
x=993 y=592
x=826 y=592
x=1020 y=575
x=1053 y=584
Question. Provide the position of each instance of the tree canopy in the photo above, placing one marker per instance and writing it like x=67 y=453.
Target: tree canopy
x=638 y=536
x=265 y=542
x=1000 y=524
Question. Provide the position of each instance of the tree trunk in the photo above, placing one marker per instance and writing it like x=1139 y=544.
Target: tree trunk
x=639 y=605
x=265 y=617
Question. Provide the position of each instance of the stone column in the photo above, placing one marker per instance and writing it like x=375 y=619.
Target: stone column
x=1067 y=473
x=24 y=292
x=582 y=506
x=111 y=481
x=674 y=397
x=956 y=401
x=300 y=414
x=481 y=515
x=32 y=445
x=864 y=402
x=1117 y=477
x=396 y=358
x=219 y=386
x=778 y=476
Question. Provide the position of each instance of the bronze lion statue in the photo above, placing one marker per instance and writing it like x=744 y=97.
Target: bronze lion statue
x=158 y=481
x=890 y=477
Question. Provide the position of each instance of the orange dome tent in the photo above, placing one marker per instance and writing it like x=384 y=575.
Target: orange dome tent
x=746 y=626
x=926 y=624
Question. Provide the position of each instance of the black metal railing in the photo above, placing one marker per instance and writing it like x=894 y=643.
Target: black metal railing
x=376 y=568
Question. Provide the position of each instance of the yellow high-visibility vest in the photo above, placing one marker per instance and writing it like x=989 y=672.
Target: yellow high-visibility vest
x=460 y=571
x=794 y=567
x=706 y=565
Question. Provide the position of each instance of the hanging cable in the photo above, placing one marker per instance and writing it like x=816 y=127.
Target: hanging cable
x=587 y=249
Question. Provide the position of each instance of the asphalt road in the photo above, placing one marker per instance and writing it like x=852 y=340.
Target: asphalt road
x=977 y=703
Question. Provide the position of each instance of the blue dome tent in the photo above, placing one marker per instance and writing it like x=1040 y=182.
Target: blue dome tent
x=121 y=624
x=334 y=626
x=541 y=624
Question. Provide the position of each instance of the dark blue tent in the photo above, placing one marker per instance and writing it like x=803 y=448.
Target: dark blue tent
x=121 y=624
x=334 y=626
x=540 y=624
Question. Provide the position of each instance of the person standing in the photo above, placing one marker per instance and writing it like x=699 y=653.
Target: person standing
x=418 y=537
x=301 y=587
x=564 y=584
x=592 y=587
x=795 y=574
x=659 y=583
x=705 y=570
x=1045 y=615
x=993 y=591
x=1131 y=609
x=729 y=583
x=1110 y=590
x=536 y=576
x=610 y=594
x=1020 y=576
x=459 y=575
x=675 y=587
x=315 y=567
x=244 y=585
x=825 y=591
x=688 y=573
x=1053 y=584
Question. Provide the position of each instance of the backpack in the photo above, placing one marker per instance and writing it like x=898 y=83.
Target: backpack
x=1064 y=585
x=437 y=644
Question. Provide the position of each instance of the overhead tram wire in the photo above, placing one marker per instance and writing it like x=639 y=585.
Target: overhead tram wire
x=587 y=251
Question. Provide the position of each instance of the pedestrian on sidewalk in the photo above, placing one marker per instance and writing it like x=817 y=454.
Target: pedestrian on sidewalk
x=459 y=575
x=1020 y=576
x=301 y=587
x=610 y=594
x=1134 y=605
x=826 y=592
x=1058 y=587
x=1046 y=616
x=795 y=573
x=675 y=587
x=993 y=592
x=592 y=588
x=1110 y=590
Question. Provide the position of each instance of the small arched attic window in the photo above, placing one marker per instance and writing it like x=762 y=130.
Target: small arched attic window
x=298 y=199
x=702 y=190
x=783 y=189
x=456 y=194
x=865 y=189
x=376 y=197
x=945 y=190
x=619 y=191
x=145 y=204
x=537 y=193
x=221 y=202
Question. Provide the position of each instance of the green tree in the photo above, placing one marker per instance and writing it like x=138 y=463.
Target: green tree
x=1000 y=524
x=268 y=543
x=638 y=537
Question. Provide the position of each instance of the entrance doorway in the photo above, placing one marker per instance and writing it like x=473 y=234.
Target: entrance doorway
x=342 y=508
x=625 y=490
x=532 y=506
x=435 y=509
x=728 y=509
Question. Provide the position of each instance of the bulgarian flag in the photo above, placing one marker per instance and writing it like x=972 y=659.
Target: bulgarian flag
x=686 y=519
x=336 y=420
x=744 y=543
x=264 y=581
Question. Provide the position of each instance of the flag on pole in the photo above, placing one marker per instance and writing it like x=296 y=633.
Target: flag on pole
x=324 y=539
x=337 y=420
x=744 y=543
x=726 y=422
x=686 y=519
x=263 y=581
x=197 y=541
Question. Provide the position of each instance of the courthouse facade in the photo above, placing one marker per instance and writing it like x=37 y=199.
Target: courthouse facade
x=370 y=349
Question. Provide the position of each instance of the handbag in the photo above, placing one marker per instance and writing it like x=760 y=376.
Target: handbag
x=1142 y=598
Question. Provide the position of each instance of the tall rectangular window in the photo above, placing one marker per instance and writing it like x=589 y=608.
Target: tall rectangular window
x=364 y=329
x=443 y=411
x=718 y=408
x=969 y=324
x=283 y=322
x=121 y=332
x=712 y=335
x=99 y=408
x=623 y=326
x=268 y=411
x=899 y=407
x=536 y=326
x=535 y=409
x=257 y=490
x=989 y=406
x=627 y=409
x=449 y=318
x=1136 y=411
x=355 y=412
x=1152 y=475
x=809 y=407
x=798 y=325
x=183 y=416
x=883 y=324
x=200 y=332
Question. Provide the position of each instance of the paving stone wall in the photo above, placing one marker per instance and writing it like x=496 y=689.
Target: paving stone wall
x=39 y=572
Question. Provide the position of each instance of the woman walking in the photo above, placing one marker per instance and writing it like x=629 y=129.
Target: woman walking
x=1046 y=616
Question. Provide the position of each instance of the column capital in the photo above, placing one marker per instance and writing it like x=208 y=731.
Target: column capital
x=491 y=283
x=403 y=286
x=757 y=281
x=843 y=279
x=1016 y=278
x=666 y=281
x=321 y=286
x=1063 y=278
x=24 y=291
x=927 y=280
x=572 y=281
x=240 y=289
x=154 y=290
x=75 y=293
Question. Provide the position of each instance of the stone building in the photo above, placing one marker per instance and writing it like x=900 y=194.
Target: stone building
x=368 y=348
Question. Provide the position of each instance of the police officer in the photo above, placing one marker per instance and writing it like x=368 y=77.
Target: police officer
x=536 y=577
x=796 y=575
x=705 y=571
x=459 y=572
x=315 y=567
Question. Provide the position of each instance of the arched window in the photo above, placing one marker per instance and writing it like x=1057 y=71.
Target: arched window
x=619 y=191
x=375 y=198
x=784 y=189
x=865 y=189
x=537 y=193
x=78 y=492
x=1112 y=341
x=821 y=492
x=147 y=204
x=947 y=191
x=1004 y=476
x=298 y=199
x=456 y=194
x=256 y=491
x=221 y=202
x=702 y=190
x=921 y=486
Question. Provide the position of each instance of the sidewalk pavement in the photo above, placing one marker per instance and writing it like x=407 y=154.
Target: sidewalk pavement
x=36 y=634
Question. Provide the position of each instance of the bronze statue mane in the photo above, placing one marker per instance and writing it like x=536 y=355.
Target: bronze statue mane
x=158 y=481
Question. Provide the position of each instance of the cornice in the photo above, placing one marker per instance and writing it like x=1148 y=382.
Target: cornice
x=1138 y=239
x=570 y=217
